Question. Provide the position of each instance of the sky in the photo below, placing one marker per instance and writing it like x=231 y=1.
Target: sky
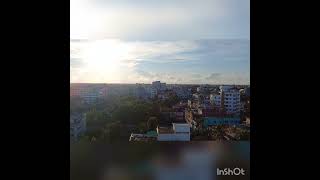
x=175 y=41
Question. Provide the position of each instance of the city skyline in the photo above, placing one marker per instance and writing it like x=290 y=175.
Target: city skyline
x=203 y=42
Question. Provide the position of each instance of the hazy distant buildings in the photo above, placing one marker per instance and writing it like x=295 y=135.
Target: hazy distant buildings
x=183 y=93
x=89 y=93
x=204 y=89
x=159 y=86
x=147 y=91
x=153 y=92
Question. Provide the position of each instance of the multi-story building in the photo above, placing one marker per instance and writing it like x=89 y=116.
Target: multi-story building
x=89 y=93
x=215 y=100
x=121 y=89
x=182 y=93
x=179 y=110
x=203 y=89
x=77 y=126
x=159 y=86
x=163 y=86
x=199 y=89
x=156 y=85
x=231 y=99
x=153 y=92
x=91 y=97
x=228 y=99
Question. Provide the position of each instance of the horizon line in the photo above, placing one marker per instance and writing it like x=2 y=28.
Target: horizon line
x=160 y=81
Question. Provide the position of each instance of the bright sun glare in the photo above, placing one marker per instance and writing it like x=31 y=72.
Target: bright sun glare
x=106 y=55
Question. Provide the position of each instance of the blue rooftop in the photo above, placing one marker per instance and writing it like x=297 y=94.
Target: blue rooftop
x=212 y=121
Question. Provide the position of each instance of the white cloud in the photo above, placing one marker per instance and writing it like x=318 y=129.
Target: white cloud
x=190 y=78
x=113 y=60
x=129 y=53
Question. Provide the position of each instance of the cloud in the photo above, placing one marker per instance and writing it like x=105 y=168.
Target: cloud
x=114 y=60
x=145 y=74
x=213 y=76
x=228 y=78
x=132 y=53
x=191 y=78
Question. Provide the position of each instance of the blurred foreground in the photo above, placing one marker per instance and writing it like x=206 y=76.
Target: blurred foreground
x=158 y=161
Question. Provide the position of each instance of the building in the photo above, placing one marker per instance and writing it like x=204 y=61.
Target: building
x=122 y=89
x=215 y=100
x=203 y=89
x=91 y=97
x=153 y=92
x=77 y=126
x=179 y=110
x=159 y=86
x=173 y=115
x=149 y=136
x=163 y=86
x=207 y=111
x=156 y=84
x=178 y=132
x=182 y=93
x=228 y=100
x=89 y=93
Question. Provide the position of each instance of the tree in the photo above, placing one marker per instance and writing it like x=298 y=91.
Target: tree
x=76 y=104
x=152 y=123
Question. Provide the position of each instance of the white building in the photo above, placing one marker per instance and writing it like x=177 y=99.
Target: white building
x=178 y=132
x=229 y=98
x=199 y=89
x=215 y=100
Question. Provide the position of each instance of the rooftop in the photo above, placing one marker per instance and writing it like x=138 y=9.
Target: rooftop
x=165 y=130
